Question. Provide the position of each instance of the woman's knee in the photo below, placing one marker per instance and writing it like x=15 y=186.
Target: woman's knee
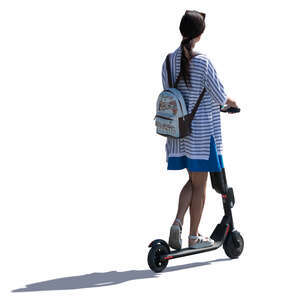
x=198 y=180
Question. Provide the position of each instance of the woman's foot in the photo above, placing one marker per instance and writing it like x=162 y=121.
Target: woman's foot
x=199 y=241
x=175 y=240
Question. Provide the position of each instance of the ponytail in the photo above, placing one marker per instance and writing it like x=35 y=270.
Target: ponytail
x=192 y=24
x=186 y=55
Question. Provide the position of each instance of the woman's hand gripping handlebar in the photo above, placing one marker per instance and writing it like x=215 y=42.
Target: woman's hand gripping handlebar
x=231 y=107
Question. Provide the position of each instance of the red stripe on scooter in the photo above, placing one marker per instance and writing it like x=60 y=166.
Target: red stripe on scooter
x=168 y=257
x=227 y=229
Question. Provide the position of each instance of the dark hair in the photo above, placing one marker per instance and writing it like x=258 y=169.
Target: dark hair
x=192 y=25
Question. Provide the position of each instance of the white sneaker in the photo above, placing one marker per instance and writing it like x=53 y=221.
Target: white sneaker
x=202 y=242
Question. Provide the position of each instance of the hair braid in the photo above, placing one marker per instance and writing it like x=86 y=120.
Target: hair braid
x=192 y=25
x=186 y=55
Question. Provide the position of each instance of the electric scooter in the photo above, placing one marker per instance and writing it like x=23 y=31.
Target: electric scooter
x=224 y=234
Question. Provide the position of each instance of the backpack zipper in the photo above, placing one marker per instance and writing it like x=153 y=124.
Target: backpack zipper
x=162 y=117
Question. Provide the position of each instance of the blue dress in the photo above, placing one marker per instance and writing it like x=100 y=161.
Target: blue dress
x=213 y=164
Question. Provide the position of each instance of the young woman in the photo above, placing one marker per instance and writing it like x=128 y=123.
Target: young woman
x=201 y=151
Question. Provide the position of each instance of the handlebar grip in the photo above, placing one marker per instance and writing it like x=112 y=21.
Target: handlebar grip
x=229 y=109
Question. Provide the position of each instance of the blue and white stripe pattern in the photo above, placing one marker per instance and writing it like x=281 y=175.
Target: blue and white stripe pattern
x=206 y=122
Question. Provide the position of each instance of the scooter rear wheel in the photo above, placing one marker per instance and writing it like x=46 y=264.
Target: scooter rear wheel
x=234 y=244
x=155 y=264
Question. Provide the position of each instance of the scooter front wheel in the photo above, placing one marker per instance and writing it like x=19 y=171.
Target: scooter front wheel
x=234 y=244
x=154 y=262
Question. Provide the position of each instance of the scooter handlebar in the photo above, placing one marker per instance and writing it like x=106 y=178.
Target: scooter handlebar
x=229 y=109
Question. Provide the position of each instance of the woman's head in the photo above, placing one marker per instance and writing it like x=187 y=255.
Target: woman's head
x=192 y=25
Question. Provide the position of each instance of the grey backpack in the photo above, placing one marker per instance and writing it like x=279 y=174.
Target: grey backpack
x=172 y=118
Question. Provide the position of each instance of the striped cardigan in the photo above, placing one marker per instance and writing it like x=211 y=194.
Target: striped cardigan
x=207 y=120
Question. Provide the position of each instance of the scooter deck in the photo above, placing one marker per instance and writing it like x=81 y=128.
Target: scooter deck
x=218 y=236
x=190 y=251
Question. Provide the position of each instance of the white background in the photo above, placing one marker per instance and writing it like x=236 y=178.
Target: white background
x=83 y=179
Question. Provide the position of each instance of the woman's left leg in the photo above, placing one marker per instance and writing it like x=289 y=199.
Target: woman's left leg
x=185 y=198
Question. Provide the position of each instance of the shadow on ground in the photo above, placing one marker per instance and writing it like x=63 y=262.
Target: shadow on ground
x=104 y=279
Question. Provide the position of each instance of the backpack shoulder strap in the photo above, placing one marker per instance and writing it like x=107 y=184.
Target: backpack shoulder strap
x=197 y=104
x=169 y=73
x=169 y=70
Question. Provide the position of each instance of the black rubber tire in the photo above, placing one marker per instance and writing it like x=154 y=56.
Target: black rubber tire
x=153 y=258
x=234 y=244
